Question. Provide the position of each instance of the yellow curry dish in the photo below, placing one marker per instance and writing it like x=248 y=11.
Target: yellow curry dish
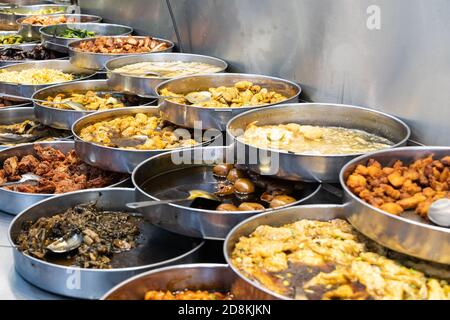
x=329 y=260
x=135 y=132
x=242 y=94
x=316 y=140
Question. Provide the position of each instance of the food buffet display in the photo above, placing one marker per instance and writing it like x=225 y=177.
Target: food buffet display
x=109 y=175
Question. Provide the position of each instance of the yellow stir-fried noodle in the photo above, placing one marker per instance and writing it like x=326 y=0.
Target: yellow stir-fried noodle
x=34 y=76
x=328 y=260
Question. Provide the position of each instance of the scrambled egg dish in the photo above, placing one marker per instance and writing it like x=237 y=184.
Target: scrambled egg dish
x=328 y=260
x=242 y=94
x=135 y=132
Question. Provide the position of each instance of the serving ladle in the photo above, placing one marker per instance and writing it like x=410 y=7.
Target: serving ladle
x=439 y=213
x=27 y=177
x=193 y=195
x=60 y=245
x=71 y=104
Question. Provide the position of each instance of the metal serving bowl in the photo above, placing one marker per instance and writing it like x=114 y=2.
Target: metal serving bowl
x=209 y=277
x=408 y=233
x=97 y=61
x=187 y=116
x=306 y=167
x=32 y=31
x=17 y=115
x=51 y=41
x=276 y=219
x=17 y=103
x=28 y=47
x=65 y=118
x=144 y=85
x=13 y=202
x=115 y=159
x=18 y=45
x=161 y=248
x=9 y=20
x=193 y=173
x=27 y=90
x=15 y=3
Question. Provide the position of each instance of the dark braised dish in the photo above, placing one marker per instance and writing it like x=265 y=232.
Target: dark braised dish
x=37 y=53
x=104 y=235
x=243 y=190
x=28 y=131
x=4 y=103
x=59 y=172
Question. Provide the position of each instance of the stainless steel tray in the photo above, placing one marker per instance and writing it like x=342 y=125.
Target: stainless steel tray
x=209 y=277
x=115 y=159
x=172 y=179
x=27 y=90
x=32 y=31
x=97 y=61
x=9 y=21
x=13 y=202
x=408 y=233
x=144 y=85
x=326 y=168
x=27 y=47
x=49 y=40
x=64 y=118
x=17 y=115
x=185 y=115
x=161 y=248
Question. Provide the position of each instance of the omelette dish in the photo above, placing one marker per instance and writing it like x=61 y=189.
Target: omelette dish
x=135 y=132
x=315 y=140
x=317 y=260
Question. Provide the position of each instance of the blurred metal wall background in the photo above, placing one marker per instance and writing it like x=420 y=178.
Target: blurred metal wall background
x=325 y=45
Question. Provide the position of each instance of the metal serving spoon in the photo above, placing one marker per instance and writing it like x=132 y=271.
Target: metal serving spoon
x=61 y=245
x=192 y=97
x=73 y=105
x=27 y=177
x=439 y=213
x=193 y=194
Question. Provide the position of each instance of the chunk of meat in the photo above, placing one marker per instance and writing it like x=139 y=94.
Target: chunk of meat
x=28 y=164
x=11 y=166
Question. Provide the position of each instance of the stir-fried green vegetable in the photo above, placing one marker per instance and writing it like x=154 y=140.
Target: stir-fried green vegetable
x=76 y=33
x=11 y=39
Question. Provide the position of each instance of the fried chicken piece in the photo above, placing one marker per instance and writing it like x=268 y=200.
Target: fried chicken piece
x=396 y=179
x=413 y=202
x=3 y=177
x=446 y=160
x=45 y=186
x=49 y=154
x=28 y=163
x=43 y=168
x=392 y=208
x=11 y=166
x=356 y=182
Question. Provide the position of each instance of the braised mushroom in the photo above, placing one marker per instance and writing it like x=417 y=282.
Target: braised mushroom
x=244 y=186
x=251 y=206
x=224 y=189
x=222 y=170
x=227 y=207
x=280 y=201
x=235 y=174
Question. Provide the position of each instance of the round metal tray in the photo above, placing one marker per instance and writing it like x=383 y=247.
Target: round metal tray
x=144 y=85
x=32 y=31
x=161 y=248
x=115 y=159
x=276 y=219
x=306 y=167
x=27 y=47
x=64 y=118
x=20 y=104
x=13 y=202
x=9 y=21
x=209 y=277
x=217 y=118
x=18 y=45
x=408 y=233
x=17 y=115
x=27 y=90
x=173 y=179
x=97 y=61
x=51 y=41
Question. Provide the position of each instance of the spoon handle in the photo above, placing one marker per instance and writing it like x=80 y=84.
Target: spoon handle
x=7 y=184
x=145 y=204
